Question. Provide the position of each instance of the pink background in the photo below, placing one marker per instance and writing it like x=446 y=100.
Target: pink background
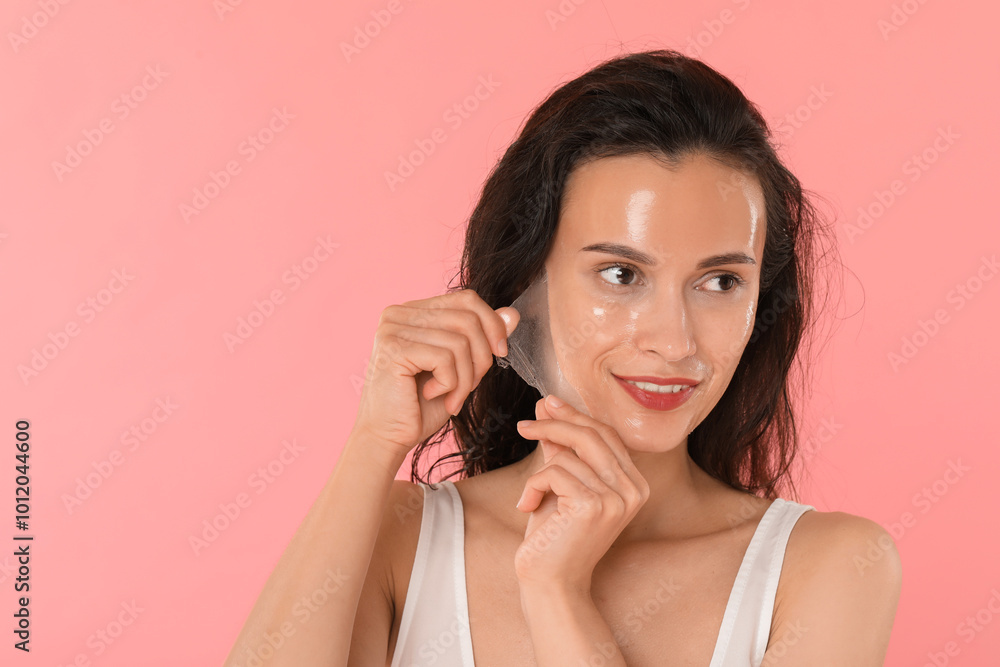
x=878 y=435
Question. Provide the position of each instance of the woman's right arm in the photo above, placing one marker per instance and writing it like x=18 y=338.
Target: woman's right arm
x=305 y=612
x=427 y=357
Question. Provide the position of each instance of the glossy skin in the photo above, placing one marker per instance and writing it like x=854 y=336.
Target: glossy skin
x=662 y=315
x=666 y=319
x=627 y=506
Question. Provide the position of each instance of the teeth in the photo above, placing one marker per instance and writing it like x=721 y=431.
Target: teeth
x=658 y=389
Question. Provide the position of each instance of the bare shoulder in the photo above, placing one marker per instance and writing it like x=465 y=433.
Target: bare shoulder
x=842 y=544
x=841 y=576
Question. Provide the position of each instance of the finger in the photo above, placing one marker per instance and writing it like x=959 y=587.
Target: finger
x=549 y=449
x=586 y=442
x=570 y=414
x=459 y=383
x=557 y=480
x=493 y=327
x=569 y=461
x=462 y=322
x=415 y=357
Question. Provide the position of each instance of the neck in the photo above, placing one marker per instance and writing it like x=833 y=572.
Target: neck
x=679 y=492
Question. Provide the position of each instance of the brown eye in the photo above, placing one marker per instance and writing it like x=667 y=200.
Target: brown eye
x=731 y=279
x=621 y=272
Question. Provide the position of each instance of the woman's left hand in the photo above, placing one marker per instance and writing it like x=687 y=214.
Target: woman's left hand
x=597 y=491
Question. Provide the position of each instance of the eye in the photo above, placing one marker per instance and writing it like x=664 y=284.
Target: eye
x=620 y=271
x=731 y=279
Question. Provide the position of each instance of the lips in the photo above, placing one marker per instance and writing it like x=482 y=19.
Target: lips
x=654 y=400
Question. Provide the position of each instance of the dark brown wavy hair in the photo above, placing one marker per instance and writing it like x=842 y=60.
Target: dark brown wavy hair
x=669 y=106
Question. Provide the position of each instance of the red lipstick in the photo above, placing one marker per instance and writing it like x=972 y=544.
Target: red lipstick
x=654 y=400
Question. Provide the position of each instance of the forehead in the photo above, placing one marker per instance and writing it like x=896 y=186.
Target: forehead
x=699 y=206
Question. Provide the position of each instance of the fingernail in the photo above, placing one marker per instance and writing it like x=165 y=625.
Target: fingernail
x=555 y=402
x=503 y=347
x=521 y=499
x=524 y=423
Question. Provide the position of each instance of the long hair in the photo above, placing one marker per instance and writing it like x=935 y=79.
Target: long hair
x=669 y=106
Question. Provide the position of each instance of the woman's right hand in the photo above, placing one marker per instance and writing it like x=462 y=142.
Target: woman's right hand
x=427 y=358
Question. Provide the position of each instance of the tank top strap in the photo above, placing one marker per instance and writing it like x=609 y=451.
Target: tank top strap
x=746 y=625
x=435 y=621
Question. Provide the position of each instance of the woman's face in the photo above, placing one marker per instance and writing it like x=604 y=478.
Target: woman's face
x=654 y=272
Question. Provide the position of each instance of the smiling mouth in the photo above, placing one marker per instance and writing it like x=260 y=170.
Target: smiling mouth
x=657 y=393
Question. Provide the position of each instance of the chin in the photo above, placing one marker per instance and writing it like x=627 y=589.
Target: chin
x=638 y=441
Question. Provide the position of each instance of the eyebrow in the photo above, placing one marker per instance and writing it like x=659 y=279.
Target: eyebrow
x=640 y=257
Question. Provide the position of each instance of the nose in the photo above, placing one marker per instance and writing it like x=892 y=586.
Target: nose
x=663 y=325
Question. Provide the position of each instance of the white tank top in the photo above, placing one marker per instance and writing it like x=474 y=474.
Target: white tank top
x=434 y=628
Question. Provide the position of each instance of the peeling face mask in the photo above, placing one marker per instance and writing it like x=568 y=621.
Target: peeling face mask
x=531 y=351
x=540 y=352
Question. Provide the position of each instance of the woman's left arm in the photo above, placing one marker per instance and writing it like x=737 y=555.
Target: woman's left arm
x=842 y=579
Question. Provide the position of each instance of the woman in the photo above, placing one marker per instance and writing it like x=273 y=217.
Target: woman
x=646 y=529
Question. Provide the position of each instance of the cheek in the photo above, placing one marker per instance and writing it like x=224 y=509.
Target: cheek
x=586 y=329
x=725 y=335
x=578 y=328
